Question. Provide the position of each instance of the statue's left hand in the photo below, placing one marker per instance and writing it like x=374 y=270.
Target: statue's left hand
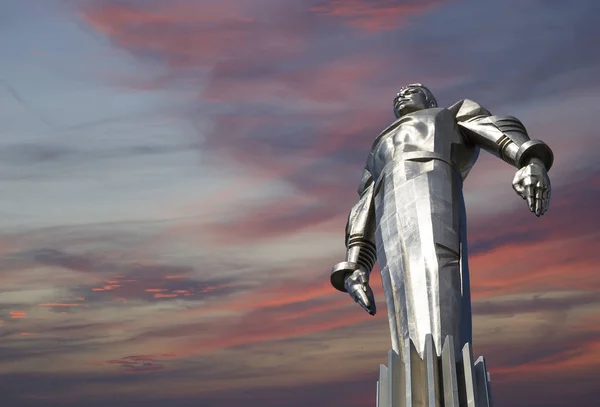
x=357 y=285
x=532 y=183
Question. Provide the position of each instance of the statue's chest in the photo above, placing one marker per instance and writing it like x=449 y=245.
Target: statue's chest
x=427 y=130
x=431 y=130
x=427 y=133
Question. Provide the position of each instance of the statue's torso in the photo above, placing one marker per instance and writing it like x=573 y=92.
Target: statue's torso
x=430 y=131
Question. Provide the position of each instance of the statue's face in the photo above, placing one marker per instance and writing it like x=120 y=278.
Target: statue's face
x=410 y=100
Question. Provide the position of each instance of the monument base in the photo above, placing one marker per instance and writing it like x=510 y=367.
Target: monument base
x=434 y=381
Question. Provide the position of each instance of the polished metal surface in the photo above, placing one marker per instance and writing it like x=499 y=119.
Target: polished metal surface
x=449 y=377
x=382 y=387
x=411 y=218
x=482 y=379
x=433 y=381
x=467 y=378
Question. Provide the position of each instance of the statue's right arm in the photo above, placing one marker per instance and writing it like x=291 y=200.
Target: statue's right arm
x=503 y=136
x=507 y=138
x=360 y=236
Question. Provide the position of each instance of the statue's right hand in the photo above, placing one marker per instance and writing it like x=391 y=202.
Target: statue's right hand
x=357 y=285
x=532 y=184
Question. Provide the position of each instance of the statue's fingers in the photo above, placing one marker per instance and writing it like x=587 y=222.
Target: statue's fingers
x=515 y=183
x=543 y=200
x=371 y=309
x=544 y=207
x=360 y=296
x=519 y=189
x=371 y=298
x=363 y=279
x=530 y=195
x=546 y=200
x=539 y=200
x=365 y=304
x=352 y=291
x=518 y=178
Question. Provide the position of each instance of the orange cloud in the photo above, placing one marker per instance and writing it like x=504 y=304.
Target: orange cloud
x=285 y=311
x=316 y=309
x=58 y=304
x=272 y=329
x=18 y=314
x=295 y=309
x=165 y=295
x=282 y=294
x=106 y=287
x=552 y=264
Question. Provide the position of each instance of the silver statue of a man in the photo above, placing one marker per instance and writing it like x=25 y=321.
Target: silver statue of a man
x=411 y=218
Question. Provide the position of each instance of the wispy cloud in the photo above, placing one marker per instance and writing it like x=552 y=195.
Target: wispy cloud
x=256 y=121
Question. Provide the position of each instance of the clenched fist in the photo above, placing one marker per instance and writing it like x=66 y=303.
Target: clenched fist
x=357 y=285
x=532 y=184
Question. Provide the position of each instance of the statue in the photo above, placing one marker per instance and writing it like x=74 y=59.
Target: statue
x=411 y=218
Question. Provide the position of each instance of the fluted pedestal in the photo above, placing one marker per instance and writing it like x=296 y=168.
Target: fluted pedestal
x=432 y=381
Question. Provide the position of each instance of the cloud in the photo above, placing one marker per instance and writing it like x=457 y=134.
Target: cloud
x=538 y=70
x=287 y=111
x=39 y=154
x=119 y=281
x=378 y=15
x=539 y=303
x=196 y=34
x=140 y=363
x=291 y=94
x=571 y=215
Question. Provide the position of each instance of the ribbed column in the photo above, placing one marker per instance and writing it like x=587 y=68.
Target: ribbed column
x=434 y=381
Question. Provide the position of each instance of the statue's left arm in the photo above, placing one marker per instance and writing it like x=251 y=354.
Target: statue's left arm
x=352 y=275
x=507 y=138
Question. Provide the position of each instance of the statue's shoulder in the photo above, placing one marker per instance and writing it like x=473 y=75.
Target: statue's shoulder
x=466 y=109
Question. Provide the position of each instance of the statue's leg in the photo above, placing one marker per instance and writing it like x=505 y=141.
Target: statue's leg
x=422 y=252
x=418 y=211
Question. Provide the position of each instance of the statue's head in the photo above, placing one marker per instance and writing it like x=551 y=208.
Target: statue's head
x=411 y=98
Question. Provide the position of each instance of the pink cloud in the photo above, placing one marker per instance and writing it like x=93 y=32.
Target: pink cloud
x=378 y=15
x=194 y=34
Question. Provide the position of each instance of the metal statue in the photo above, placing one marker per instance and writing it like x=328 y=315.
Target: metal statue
x=411 y=218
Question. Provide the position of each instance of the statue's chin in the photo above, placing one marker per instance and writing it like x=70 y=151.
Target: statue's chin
x=406 y=109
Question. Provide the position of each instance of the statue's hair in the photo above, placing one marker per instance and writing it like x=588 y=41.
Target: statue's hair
x=428 y=95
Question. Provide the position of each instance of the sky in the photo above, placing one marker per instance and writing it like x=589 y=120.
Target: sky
x=176 y=176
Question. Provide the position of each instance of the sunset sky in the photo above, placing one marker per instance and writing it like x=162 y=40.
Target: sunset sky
x=175 y=177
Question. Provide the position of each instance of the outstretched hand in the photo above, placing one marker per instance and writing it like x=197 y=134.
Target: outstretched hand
x=357 y=285
x=532 y=184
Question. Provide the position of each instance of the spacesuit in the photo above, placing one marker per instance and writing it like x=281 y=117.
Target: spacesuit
x=411 y=216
